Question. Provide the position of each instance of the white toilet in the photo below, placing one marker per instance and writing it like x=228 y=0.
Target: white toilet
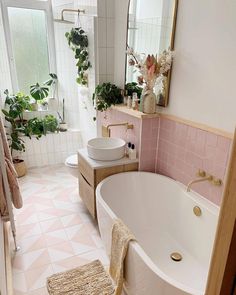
x=72 y=165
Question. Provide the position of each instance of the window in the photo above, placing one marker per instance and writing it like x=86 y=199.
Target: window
x=29 y=35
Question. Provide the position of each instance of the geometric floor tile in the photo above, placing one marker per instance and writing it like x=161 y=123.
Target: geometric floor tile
x=54 y=230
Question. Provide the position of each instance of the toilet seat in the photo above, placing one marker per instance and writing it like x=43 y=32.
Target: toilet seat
x=72 y=161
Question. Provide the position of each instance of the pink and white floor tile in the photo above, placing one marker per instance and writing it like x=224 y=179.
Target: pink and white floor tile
x=54 y=230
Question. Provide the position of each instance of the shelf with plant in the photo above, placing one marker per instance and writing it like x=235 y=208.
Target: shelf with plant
x=41 y=92
x=16 y=105
x=78 y=42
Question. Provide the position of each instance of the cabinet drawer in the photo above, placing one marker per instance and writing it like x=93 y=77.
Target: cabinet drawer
x=131 y=167
x=87 y=194
x=86 y=170
x=105 y=172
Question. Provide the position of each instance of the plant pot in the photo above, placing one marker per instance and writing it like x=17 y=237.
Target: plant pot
x=63 y=127
x=149 y=101
x=44 y=107
x=20 y=167
x=52 y=104
x=34 y=106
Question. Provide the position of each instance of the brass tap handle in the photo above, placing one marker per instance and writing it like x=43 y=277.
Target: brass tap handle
x=201 y=173
x=217 y=181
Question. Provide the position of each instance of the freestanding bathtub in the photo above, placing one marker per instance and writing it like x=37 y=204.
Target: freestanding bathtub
x=159 y=212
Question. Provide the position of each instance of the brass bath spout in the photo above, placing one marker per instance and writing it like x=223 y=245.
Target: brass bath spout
x=206 y=178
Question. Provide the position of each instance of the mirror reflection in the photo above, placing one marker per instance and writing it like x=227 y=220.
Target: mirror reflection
x=151 y=26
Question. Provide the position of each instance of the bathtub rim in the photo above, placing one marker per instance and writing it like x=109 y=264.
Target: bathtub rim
x=213 y=208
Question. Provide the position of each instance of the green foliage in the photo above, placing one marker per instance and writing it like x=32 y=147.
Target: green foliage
x=35 y=127
x=39 y=127
x=106 y=95
x=50 y=123
x=133 y=87
x=78 y=42
x=17 y=104
x=39 y=92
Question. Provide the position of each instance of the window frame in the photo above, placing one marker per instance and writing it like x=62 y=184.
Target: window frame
x=45 y=6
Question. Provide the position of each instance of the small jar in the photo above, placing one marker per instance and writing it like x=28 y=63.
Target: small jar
x=129 y=102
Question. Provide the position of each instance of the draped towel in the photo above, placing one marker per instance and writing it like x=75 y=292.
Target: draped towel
x=11 y=175
x=121 y=236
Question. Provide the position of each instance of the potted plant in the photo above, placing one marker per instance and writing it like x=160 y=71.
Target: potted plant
x=78 y=42
x=133 y=87
x=62 y=124
x=44 y=106
x=17 y=104
x=53 y=83
x=106 y=95
x=40 y=92
x=50 y=124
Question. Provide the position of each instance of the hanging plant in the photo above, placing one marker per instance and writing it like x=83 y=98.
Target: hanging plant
x=78 y=42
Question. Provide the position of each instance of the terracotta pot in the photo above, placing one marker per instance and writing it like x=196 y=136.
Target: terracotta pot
x=20 y=167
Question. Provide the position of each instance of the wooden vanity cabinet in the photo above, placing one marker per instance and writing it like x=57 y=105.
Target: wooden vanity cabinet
x=90 y=177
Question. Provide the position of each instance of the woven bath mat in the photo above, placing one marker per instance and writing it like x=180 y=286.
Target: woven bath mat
x=89 y=279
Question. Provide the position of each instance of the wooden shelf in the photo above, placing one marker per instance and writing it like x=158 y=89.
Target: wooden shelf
x=133 y=113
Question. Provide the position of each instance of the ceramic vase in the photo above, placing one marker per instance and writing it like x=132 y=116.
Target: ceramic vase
x=148 y=101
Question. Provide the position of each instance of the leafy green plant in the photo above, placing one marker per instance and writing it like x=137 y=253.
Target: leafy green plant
x=50 y=123
x=133 y=87
x=106 y=95
x=39 y=92
x=35 y=127
x=78 y=42
x=17 y=104
x=52 y=82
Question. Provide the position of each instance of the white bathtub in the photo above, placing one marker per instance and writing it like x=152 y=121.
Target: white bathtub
x=159 y=212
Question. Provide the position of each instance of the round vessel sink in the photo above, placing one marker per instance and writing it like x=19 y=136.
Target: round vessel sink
x=106 y=148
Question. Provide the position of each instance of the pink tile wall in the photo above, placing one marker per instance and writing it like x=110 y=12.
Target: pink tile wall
x=112 y=117
x=148 y=147
x=182 y=150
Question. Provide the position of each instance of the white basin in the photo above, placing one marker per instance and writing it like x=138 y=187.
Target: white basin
x=106 y=148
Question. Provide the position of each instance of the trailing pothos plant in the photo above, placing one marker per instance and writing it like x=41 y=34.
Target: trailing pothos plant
x=78 y=42
x=106 y=95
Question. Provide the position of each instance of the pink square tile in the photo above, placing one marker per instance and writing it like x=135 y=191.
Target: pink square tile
x=211 y=139
x=223 y=143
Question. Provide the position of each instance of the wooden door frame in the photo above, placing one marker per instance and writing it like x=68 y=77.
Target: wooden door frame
x=225 y=228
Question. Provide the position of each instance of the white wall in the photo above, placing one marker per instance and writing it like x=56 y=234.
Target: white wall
x=203 y=79
x=5 y=78
x=121 y=12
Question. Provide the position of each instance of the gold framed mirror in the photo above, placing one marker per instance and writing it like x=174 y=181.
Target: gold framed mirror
x=151 y=30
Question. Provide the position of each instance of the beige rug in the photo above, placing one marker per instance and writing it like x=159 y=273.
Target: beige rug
x=89 y=279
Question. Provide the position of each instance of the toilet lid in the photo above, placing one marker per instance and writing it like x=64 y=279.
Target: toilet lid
x=72 y=160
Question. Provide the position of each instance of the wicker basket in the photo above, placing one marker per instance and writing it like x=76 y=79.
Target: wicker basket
x=20 y=167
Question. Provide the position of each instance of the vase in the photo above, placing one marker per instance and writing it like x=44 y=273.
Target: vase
x=52 y=104
x=148 y=101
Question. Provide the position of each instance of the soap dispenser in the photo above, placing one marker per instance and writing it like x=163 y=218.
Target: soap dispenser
x=132 y=152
